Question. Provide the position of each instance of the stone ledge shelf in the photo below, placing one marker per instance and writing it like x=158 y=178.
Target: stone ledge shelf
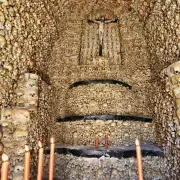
x=103 y=81
x=113 y=151
x=104 y=117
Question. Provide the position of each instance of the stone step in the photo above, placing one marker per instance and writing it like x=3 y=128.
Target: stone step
x=112 y=151
x=121 y=132
x=69 y=166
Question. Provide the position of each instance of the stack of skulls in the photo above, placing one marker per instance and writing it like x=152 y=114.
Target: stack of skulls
x=27 y=92
x=173 y=130
x=173 y=71
x=15 y=133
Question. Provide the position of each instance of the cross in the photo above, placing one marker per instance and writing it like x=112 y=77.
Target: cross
x=102 y=21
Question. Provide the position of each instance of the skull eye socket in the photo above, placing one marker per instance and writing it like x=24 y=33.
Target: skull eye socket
x=176 y=72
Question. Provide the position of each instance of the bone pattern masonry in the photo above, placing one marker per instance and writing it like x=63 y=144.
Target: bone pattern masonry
x=30 y=32
x=15 y=121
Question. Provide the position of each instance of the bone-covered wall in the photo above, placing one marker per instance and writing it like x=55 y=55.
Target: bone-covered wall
x=27 y=34
x=149 y=43
x=161 y=29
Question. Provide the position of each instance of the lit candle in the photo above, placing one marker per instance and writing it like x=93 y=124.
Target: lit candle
x=106 y=140
x=51 y=164
x=27 y=163
x=40 y=161
x=139 y=159
x=5 y=167
x=97 y=141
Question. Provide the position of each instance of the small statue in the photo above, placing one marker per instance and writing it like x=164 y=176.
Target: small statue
x=102 y=21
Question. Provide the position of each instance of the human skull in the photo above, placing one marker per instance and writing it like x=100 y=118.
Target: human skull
x=31 y=94
x=20 y=93
x=19 y=150
x=18 y=167
x=176 y=92
x=20 y=135
x=31 y=83
x=6 y=116
x=18 y=176
x=176 y=68
x=7 y=137
x=173 y=69
x=20 y=116
x=7 y=144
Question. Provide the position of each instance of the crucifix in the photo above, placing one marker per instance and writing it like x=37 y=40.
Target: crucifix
x=101 y=22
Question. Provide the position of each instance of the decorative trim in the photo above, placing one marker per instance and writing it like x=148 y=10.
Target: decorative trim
x=98 y=81
x=104 y=117
x=114 y=151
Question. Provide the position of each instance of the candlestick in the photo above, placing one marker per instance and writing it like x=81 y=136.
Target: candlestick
x=27 y=163
x=51 y=164
x=5 y=167
x=139 y=159
x=106 y=140
x=40 y=161
x=97 y=141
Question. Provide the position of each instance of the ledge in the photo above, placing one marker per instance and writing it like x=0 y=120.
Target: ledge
x=114 y=151
x=103 y=81
x=104 y=117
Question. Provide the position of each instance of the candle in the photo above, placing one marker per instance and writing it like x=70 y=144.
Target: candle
x=51 y=164
x=139 y=159
x=106 y=141
x=27 y=163
x=5 y=167
x=97 y=141
x=40 y=161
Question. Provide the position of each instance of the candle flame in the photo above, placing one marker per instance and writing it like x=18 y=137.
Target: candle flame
x=40 y=144
x=52 y=140
x=137 y=142
x=5 y=157
x=27 y=148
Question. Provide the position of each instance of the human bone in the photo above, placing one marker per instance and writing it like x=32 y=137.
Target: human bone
x=176 y=91
x=175 y=79
x=20 y=116
x=2 y=41
x=7 y=144
x=9 y=67
x=178 y=113
x=2 y=18
x=177 y=102
x=1 y=134
x=20 y=134
x=1 y=147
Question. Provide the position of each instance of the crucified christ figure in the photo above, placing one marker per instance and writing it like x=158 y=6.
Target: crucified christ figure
x=102 y=21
